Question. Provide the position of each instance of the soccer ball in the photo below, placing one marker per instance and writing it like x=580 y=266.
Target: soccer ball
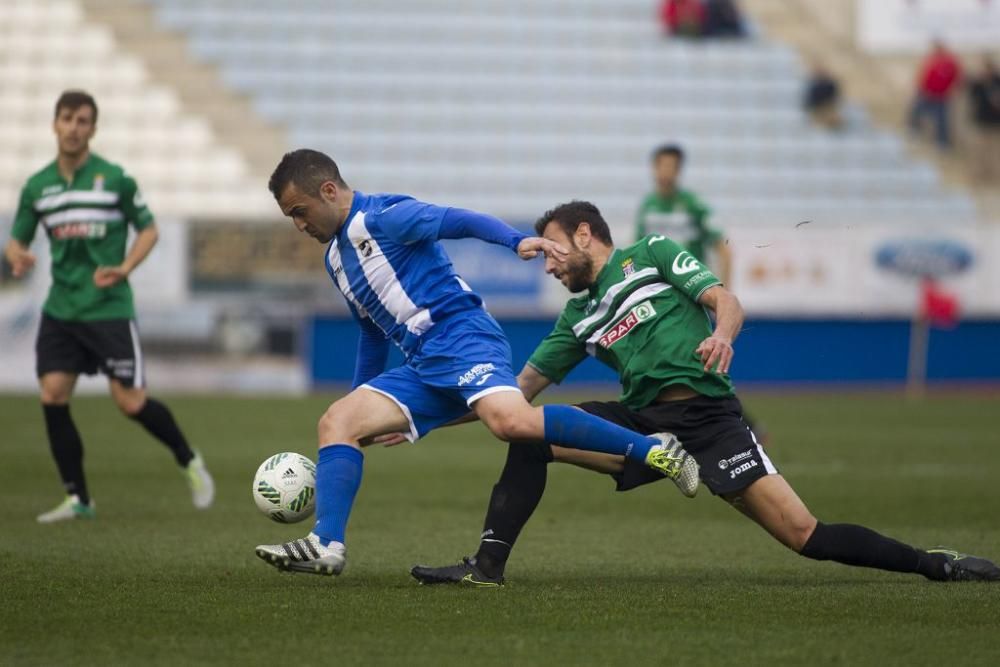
x=284 y=487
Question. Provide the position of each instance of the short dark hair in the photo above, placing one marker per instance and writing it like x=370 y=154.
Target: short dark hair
x=569 y=216
x=668 y=149
x=74 y=99
x=307 y=169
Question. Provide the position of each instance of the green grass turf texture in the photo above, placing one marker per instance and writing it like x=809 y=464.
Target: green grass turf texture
x=598 y=578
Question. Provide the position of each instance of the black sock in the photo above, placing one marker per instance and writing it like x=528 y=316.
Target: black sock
x=515 y=497
x=856 y=545
x=67 y=449
x=156 y=419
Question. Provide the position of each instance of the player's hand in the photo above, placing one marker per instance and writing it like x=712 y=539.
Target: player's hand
x=717 y=352
x=530 y=247
x=106 y=276
x=21 y=261
x=389 y=439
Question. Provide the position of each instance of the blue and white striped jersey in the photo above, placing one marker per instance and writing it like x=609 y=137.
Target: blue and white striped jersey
x=387 y=262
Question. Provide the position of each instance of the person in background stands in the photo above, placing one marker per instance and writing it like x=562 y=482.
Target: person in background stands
x=723 y=19
x=939 y=74
x=822 y=98
x=683 y=18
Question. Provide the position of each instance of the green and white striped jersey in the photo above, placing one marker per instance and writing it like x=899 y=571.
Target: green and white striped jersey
x=86 y=221
x=642 y=318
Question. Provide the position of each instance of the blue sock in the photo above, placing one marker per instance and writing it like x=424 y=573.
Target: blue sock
x=575 y=428
x=338 y=476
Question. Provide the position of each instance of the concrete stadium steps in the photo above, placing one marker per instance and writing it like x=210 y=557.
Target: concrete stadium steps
x=47 y=46
x=548 y=100
x=825 y=29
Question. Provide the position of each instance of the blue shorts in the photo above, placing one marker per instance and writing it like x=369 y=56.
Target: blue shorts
x=465 y=358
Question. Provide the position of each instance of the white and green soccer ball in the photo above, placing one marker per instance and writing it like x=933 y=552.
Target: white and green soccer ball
x=284 y=487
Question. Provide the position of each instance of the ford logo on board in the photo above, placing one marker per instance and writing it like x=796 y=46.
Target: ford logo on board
x=924 y=258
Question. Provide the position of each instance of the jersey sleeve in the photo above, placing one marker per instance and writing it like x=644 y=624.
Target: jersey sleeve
x=25 y=220
x=680 y=268
x=133 y=206
x=459 y=223
x=559 y=352
x=410 y=221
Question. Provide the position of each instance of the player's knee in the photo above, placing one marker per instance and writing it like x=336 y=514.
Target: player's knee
x=800 y=528
x=130 y=404
x=509 y=427
x=54 y=397
x=334 y=425
x=54 y=393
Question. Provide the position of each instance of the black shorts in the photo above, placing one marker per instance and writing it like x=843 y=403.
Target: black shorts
x=109 y=346
x=712 y=430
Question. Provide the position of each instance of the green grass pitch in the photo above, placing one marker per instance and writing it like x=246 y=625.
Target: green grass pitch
x=598 y=578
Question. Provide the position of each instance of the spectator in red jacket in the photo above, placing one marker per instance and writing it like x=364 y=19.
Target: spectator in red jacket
x=939 y=75
x=683 y=18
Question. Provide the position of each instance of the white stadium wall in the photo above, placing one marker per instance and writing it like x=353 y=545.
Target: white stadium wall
x=905 y=26
x=832 y=270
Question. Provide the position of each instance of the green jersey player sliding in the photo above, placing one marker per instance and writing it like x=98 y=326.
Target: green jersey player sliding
x=643 y=312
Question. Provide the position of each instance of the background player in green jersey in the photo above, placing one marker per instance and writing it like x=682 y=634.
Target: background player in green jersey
x=85 y=204
x=643 y=312
x=680 y=214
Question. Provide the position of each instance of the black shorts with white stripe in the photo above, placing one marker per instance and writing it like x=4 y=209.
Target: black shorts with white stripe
x=712 y=430
x=109 y=346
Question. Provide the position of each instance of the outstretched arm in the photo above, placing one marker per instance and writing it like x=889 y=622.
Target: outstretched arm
x=459 y=223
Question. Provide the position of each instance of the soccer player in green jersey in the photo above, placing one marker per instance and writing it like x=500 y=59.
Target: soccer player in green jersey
x=680 y=214
x=85 y=204
x=644 y=312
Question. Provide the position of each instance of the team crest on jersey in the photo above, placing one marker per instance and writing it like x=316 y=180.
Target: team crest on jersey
x=99 y=183
x=366 y=247
x=628 y=267
x=622 y=327
x=52 y=189
x=589 y=308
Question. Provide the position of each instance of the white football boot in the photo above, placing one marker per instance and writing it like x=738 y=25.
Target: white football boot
x=305 y=555
x=201 y=483
x=69 y=509
x=671 y=459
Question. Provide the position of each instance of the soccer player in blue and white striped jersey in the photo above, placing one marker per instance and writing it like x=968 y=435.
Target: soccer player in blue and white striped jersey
x=384 y=257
